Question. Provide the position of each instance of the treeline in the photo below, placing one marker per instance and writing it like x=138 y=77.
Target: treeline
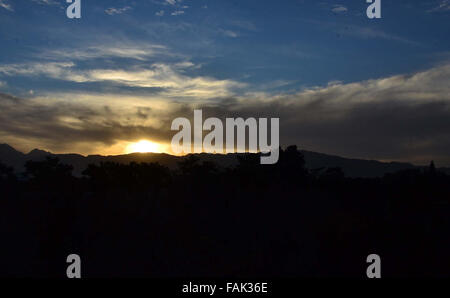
x=201 y=220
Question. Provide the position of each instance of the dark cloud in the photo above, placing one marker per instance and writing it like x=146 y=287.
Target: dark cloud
x=403 y=118
x=61 y=127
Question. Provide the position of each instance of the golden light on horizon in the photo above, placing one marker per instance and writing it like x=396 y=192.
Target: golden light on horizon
x=143 y=146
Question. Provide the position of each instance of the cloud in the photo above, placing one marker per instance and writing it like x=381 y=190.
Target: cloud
x=169 y=78
x=6 y=5
x=160 y=13
x=337 y=8
x=367 y=32
x=83 y=123
x=125 y=69
x=402 y=117
x=52 y=70
x=444 y=5
x=177 y=12
x=113 y=11
x=47 y=2
x=229 y=33
x=121 y=49
x=3 y=84
x=71 y=124
x=171 y=2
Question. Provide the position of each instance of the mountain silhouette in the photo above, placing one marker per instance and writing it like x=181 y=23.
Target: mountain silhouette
x=313 y=161
x=37 y=154
x=11 y=156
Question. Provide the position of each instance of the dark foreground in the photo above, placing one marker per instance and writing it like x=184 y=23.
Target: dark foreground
x=143 y=220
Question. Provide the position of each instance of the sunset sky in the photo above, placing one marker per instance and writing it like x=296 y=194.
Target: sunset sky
x=339 y=82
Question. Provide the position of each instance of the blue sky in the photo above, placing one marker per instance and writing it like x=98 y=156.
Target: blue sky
x=270 y=45
x=156 y=54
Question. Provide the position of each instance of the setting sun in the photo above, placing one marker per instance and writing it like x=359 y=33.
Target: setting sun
x=143 y=146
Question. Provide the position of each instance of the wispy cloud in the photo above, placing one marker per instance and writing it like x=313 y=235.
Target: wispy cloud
x=177 y=12
x=444 y=5
x=113 y=11
x=177 y=5
x=337 y=8
x=229 y=33
x=171 y=2
x=169 y=78
x=138 y=51
x=47 y=2
x=6 y=5
x=52 y=70
x=368 y=32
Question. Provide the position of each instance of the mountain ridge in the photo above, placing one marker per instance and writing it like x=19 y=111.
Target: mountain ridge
x=351 y=167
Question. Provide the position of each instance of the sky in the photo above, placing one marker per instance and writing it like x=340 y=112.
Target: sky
x=340 y=83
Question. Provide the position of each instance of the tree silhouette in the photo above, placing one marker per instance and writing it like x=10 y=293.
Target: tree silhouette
x=432 y=168
x=187 y=166
x=48 y=173
x=198 y=219
x=6 y=173
x=291 y=165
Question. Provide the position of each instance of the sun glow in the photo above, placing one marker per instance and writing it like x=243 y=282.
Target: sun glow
x=143 y=146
